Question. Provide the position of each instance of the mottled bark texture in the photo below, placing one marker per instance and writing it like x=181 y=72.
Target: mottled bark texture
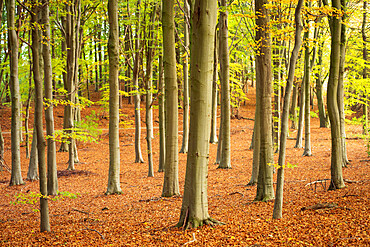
x=194 y=209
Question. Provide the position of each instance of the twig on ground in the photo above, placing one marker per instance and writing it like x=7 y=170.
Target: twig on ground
x=3 y=164
x=236 y=192
x=317 y=181
x=322 y=181
x=154 y=199
x=80 y=211
x=320 y=206
x=93 y=230
x=191 y=241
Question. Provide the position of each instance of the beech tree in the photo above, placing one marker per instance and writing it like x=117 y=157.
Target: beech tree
x=307 y=89
x=114 y=186
x=52 y=180
x=185 y=132
x=161 y=116
x=44 y=207
x=278 y=204
x=265 y=190
x=337 y=181
x=16 y=176
x=194 y=209
x=135 y=79
x=171 y=181
x=225 y=162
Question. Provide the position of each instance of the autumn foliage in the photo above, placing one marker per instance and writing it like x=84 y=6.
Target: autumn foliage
x=84 y=215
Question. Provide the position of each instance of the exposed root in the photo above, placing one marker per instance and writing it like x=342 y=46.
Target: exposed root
x=195 y=223
x=191 y=241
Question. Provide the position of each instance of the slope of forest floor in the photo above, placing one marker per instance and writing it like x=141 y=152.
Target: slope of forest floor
x=140 y=217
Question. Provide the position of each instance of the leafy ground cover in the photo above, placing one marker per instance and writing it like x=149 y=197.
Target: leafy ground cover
x=312 y=216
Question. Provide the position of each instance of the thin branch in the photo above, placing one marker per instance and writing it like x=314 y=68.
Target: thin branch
x=185 y=14
x=24 y=6
x=26 y=42
x=185 y=48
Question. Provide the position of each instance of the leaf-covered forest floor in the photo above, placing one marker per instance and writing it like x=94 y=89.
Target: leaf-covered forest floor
x=140 y=217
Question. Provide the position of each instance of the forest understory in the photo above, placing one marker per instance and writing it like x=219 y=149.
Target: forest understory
x=312 y=215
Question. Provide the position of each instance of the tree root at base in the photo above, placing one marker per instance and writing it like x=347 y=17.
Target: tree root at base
x=194 y=223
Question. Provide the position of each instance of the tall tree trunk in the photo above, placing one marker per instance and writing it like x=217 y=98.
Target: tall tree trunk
x=64 y=147
x=194 y=209
x=324 y=121
x=44 y=207
x=307 y=89
x=225 y=162
x=52 y=183
x=135 y=72
x=171 y=182
x=293 y=111
x=337 y=181
x=96 y=60
x=149 y=88
x=16 y=176
x=340 y=94
x=71 y=49
x=302 y=103
x=27 y=115
x=278 y=205
x=33 y=164
x=255 y=144
x=162 y=120
x=213 y=138
x=185 y=133
x=265 y=189
x=114 y=186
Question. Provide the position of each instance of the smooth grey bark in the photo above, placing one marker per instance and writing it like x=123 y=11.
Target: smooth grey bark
x=28 y=105
x=337 y=181
x=149 y=93
x=194 y=209
x=44 y=207
x=302 y=103
x=185 y=132
x=255 y=145
x=225 y=159
x=341 y=87
x=324 y=121
x=135 y=79
x=52 y=179
x=71 y=86
x=114 y=186
x=293 y=111
x=33 y=164
x=16 y=176
x=265 y=189
x=213 y=138
x=219 y=145
x=171 y=181
x=307 y=89
x=278 y=204
x=161 y=115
